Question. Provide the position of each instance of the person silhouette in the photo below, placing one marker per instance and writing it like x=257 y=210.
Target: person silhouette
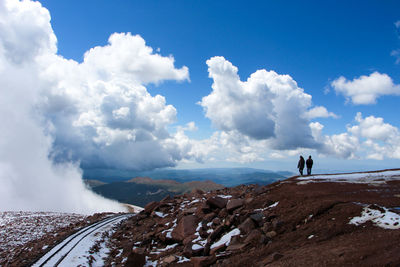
x=300 y=165
x=309 y=164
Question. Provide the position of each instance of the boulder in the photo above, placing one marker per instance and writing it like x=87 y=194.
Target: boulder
x=216 y=221
x=248 y=200
x=260 y=190
x=189 y=239
x=257 y=218
x=271 y=234
x=136 y=258
x=237 y=247
x=185 y=228
x=254 y=237
x=276 y=256
x=170 y=259
x=215 y=234
x=197 y=191
x=277 y=224
x=166 y=199
x=234 y=204
x=203 y=261
x=190 y=211
x=246 y=226
x=205 y=208
x=217 y=202
x=191 y=250
x=223 y=213
x=266 y=227
x=208 y=217
x=150 y=207
x=217 y=249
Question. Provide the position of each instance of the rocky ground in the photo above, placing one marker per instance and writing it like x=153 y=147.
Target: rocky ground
x=317 y=221
x=321 y=220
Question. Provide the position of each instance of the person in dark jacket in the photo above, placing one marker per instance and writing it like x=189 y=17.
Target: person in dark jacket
x=300 y=165
x=309 y=164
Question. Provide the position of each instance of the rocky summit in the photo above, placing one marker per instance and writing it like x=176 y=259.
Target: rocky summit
x=331 y=220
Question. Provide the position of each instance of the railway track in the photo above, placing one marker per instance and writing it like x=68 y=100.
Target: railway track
x=70 y=251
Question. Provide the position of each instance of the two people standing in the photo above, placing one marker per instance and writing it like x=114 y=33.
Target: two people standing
x=301 y=164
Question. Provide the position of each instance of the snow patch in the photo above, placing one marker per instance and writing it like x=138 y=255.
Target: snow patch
x=226 y=239
x=160 y=214
x=363 y=177
x=169 y=231
x=224 y=196
x=196 y=247
x=150 y=263
x=386 y=219
x=167 y=248
x=182 y=259
x=273 y=205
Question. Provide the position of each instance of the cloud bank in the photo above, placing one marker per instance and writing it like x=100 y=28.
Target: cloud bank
x=58 y=113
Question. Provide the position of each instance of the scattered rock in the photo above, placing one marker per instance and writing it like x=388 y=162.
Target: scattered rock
x=186 y=227
x=257 y=218
x=170 y=259
x=217 y=249
x=166 y=199
x=217 y=202
x=197 y=191
x=137 y=258
x=205 y=207
x=236 y=247
x=271 y=234
x=150 y=207
x=215 y=234
x=234 y=204
x=216 y=221
x=254 y=237
x=203 y=261
x=208 y=217
x=223 y=213
x=247 y=226
x=277 y=256
x=276 y=224
x=190 y=211
x=248 y=200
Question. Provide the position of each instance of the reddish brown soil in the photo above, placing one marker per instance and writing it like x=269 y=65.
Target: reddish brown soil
x=324 y=239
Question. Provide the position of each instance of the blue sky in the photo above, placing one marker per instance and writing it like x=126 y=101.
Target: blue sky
x=314 y=42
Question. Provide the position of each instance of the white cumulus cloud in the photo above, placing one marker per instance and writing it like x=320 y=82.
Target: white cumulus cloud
x=366 y=89
x=266 y=106
x=320 y=112
x=369 y=138
x=101 y=111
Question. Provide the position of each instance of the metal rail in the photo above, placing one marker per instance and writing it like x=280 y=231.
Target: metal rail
x=77 y=238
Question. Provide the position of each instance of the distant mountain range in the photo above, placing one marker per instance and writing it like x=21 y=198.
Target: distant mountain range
x=155 y=185
x=224 y=176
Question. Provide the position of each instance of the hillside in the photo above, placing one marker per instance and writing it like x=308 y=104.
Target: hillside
x=142 y=190
x=331 y=220
x=321 y=220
